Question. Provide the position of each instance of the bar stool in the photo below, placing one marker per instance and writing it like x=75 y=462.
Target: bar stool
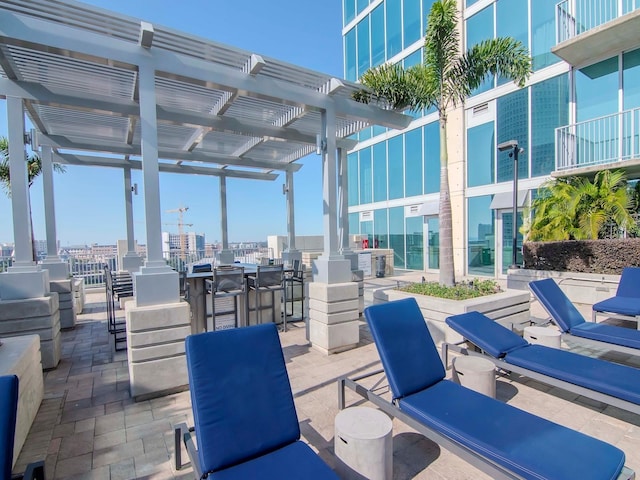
x=268 y=278
x=228 y=282
x=291 y=280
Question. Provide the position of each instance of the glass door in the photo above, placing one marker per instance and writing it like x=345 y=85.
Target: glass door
x=505 y=249
x=432 y=241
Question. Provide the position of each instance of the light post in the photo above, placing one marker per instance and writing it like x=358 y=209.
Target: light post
x=515 y=150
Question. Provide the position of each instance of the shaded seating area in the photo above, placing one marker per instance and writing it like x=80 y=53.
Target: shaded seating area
x=606 y=382
x=245 y=418
x=8 y=415
x=625 y=303
x=499 y=439
x=118 y=285
x=573 y=325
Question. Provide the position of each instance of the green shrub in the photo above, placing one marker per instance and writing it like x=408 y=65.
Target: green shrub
x=460 y=291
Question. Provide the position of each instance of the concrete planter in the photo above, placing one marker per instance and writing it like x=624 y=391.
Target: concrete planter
x=510 y=308
x=581 y=288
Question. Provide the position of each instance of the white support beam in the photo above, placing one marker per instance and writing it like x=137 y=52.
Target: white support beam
x=46 y=159
x=128 y=210
x=329 y=192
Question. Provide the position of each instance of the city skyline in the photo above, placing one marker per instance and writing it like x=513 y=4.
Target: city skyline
x=90 y=201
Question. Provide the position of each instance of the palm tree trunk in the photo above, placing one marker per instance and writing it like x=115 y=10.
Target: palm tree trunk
x=447 y=274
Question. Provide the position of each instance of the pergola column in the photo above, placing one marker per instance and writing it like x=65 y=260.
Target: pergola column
x=156 y=283
x=343 y=205
x=131 y=261
x=225 y=257
x=24 y=279
x=333 y=297
x=291 y=253
x=58 y=270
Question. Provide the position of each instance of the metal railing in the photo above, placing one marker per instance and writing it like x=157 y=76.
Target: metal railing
x=574 y=17
x=609 y=139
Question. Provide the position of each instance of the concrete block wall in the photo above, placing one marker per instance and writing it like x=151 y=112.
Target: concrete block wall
x=333 y=316
x=21 y=356
x=39 y=316
x=64 y=289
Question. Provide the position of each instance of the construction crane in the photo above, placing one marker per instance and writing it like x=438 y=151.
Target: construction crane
x=180 y=211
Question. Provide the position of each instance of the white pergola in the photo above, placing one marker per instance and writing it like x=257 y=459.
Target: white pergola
x=94 y=81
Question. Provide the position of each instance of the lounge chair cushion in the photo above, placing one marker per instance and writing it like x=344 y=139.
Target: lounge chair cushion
x=608 y=333
x=402 y=338
x=529 y=446
x=554 y=300
x=622 y=305
x=240 y=395
x=477 y=327
x=612 y=379
x=629 y=285
x=295 y=461
x=8 y=410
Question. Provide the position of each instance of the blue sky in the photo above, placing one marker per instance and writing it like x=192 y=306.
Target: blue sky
x=90 y=201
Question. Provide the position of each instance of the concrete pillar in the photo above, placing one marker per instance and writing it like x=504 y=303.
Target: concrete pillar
x=333 y=297
x=131 y=261
x=156 y=283
x=58 y=270
x=291 y=253
x=225 y=257
x=343 y=210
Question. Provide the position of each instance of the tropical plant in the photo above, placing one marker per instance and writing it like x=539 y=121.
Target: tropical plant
x=444 y=80
x=34 y=168
x=575 y=208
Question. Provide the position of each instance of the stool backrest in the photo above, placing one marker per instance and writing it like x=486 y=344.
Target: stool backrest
x=269 y=275
x=228 y=279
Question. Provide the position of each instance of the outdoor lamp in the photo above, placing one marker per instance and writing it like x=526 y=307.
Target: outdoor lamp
x=515 y=150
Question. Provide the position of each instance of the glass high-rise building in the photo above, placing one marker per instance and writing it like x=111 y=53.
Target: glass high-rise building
x=579 y=112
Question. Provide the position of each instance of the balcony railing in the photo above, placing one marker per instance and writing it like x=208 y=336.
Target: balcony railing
x=574 y=17
x=606 y=140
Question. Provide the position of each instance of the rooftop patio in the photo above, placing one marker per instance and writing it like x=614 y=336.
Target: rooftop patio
x=88 y=426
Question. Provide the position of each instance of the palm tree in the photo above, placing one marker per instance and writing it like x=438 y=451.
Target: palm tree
x=34 y=168
x=577 y=209
x=444 y=80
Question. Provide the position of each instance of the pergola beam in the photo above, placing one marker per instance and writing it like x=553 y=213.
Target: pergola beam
x=91 y=161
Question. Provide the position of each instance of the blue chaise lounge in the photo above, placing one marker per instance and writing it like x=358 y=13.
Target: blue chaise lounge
x=625 y=303
x=610 y=383
x=573 y=325
x=245 y=419
x=501 y=440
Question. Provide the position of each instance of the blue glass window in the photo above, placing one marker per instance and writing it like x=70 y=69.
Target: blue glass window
x=352 y=173
x=365 y=176
x=380 y=229
x=380 y=172
x=396 y=235
x=597 y=89
x=631 y=79
x=366 y=228
x=362 y=4
x=481 y=236
x=432 y=157
x=549 y=110
x=396 y=170
x=363 y=46
x=480 y=155
x=411 y=16
x=543 y=33
x=378 y=130
x=512 y=21
x=513 y=124
x=394 y=27
x=414 y=59
x=348 y=10
x=350 y=71
x=426 y=9
x=365 y=134
x=413 y=163
x=470 y=2
x=479 y=28
x=415 y=243
x=354 y=223
x=377 y=36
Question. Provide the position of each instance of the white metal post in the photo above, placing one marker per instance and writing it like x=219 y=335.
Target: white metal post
x=128 y=207
x=291 y=223
x=223 y=212
x=46 y=158
x=343 y=195
x=329 y=191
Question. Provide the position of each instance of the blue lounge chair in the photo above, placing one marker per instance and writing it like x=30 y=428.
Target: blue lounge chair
x=573 y=325
x=626 y=302
x=8 y=415
x=603 y=381
x=501 y=440
x=244 y=415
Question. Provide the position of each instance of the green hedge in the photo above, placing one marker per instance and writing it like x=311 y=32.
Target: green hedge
x=587 y=256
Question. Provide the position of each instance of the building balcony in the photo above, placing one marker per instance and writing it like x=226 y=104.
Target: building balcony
x=612 y=141
x=591 y=30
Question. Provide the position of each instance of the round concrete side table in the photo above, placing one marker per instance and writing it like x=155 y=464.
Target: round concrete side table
x=476 y=373
x=549 y=337
x=363 y=444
